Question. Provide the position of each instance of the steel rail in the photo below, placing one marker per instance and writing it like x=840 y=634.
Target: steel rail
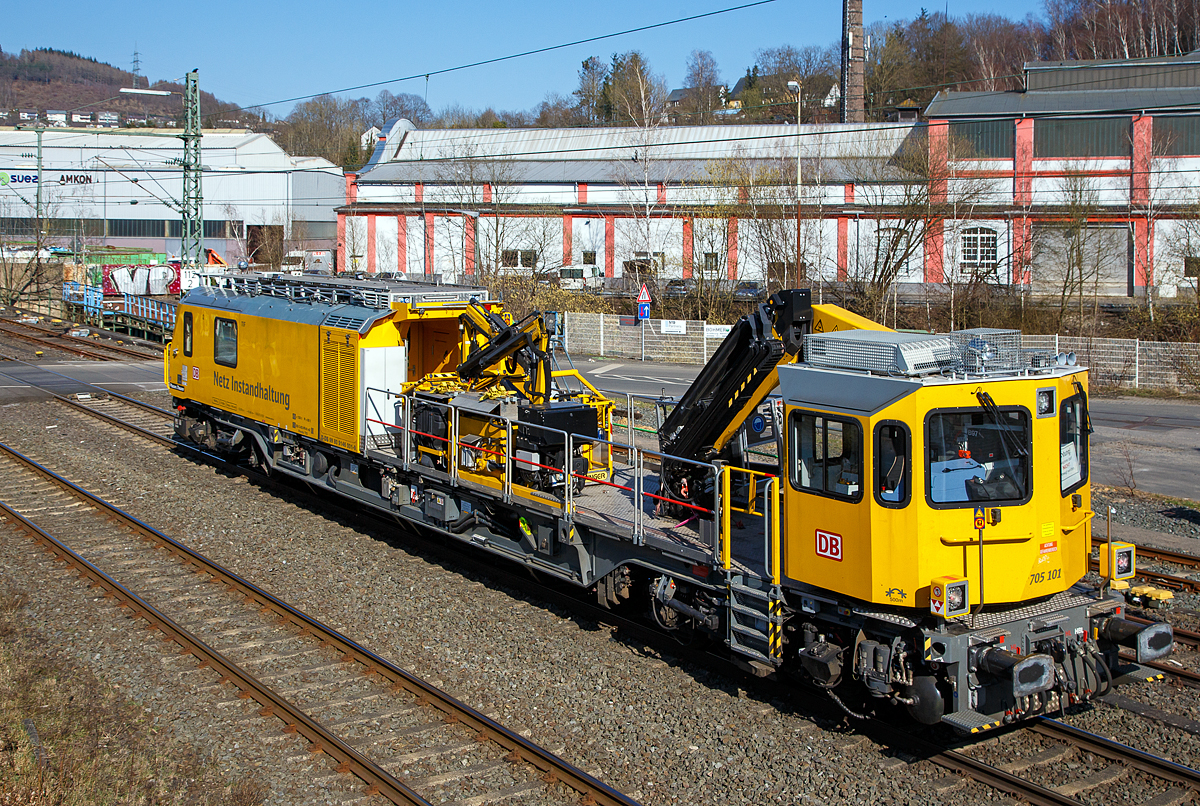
x=50 y=333
x=378 y=780
x=959 y=762
x=1116 y=751
x=117 y=421
x=67 y=348
x=542 y=759
x=1168 y=580
x=100 y=389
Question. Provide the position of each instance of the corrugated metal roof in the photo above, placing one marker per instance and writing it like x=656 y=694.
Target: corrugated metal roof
x=698 y=143
x=951 y=105
x=224 y=148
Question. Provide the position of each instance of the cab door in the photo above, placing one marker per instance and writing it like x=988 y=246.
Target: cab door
x=828 y=539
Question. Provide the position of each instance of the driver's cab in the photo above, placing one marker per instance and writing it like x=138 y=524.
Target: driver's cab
x=887 y=477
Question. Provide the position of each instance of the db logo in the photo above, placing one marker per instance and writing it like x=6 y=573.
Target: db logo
x=829 y=545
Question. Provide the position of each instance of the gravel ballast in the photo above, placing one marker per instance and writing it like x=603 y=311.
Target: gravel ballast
x=662 y=730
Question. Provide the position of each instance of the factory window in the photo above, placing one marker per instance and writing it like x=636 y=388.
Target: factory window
x=187 y=334
x=225 y=342
x=892 y=469
x=1081 y=137
x=1073 y=442
x=136 y=228
x=589 y=258
x=979 y=255
x=508 y=258
x=1191 y=266
x=975 y=457
x=826 y=455
x=528 y=259
x=711 y=266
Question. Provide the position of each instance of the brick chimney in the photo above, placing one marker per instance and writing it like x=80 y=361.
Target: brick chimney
x=853 y=55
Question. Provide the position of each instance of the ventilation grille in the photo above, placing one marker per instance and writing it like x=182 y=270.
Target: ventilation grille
x=880 y=352
x=347 y=322
x=339 y=394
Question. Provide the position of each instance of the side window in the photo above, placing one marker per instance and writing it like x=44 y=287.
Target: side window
x=893 y=472
x=187 y=334
x=1073 y=444
x=826 y=455
x=225 y=342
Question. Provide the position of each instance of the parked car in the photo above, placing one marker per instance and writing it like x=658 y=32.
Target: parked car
x=678 y=289
x=749 y=291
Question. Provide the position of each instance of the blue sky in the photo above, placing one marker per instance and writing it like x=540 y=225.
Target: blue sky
x=253 y=53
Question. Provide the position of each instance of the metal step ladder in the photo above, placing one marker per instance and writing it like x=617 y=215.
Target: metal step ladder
x=755 y=625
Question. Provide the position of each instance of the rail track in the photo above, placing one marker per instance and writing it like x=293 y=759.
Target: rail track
x=371 y=718
x=156 y=425
x=1015 y=776
x=85 y=348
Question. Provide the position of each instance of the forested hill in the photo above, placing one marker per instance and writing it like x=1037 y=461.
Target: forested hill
x=45 y=78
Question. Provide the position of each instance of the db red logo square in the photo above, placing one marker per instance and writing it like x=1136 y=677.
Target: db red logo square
x=829 y=545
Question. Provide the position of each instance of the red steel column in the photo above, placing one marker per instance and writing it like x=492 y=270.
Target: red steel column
x=733 y=248
x=568 y=225
x=935 y=245
x=341 y=242
x=688 y=224
x=469 y=243
x=843 y=248
x=610 y=245
x=1023 y=162
x=371 y=243
x=1022 y=234
x=1143 y=150
x=581 y=189
x=1143 y=254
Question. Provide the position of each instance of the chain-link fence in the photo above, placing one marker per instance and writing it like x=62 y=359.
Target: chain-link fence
x=1113 y=363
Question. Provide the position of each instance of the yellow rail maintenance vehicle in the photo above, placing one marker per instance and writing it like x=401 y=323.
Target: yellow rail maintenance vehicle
x=906 y=519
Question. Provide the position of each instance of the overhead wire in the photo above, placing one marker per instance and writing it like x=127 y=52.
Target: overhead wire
x=498 y=59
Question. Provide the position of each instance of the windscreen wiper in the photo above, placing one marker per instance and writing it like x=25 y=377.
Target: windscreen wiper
x=1087 y=415
x=1010 y=442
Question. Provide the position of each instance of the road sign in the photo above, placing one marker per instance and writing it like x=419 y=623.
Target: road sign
x=643 y=309
x=644 y=297
x=979 y=517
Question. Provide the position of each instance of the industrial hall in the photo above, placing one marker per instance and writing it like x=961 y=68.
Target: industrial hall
x=122 y=189
x=1078 y=174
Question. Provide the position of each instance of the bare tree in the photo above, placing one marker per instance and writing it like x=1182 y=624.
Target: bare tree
x=908 y=191
x=703 y=82
x=387 y=106
x=328 y=127
x=589 y=96
x=633 y=94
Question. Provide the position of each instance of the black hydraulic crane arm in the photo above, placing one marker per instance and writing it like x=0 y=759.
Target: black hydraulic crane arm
x=525 y=341
x=735 y=374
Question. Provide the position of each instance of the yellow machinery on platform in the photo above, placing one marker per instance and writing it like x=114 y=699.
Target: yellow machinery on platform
x=903 y=515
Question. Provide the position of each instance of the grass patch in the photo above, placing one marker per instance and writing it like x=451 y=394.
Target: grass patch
x=94 y=747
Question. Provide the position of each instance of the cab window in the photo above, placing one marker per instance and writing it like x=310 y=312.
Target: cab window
x=1073 y=443
x=892 y=470
x=225 y=342
x=187 y=334
x=826 y=455
x=974 y=457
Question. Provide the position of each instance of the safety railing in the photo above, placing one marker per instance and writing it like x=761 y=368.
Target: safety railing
x=768 y=491
x=389 y=427
x=94 y=303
